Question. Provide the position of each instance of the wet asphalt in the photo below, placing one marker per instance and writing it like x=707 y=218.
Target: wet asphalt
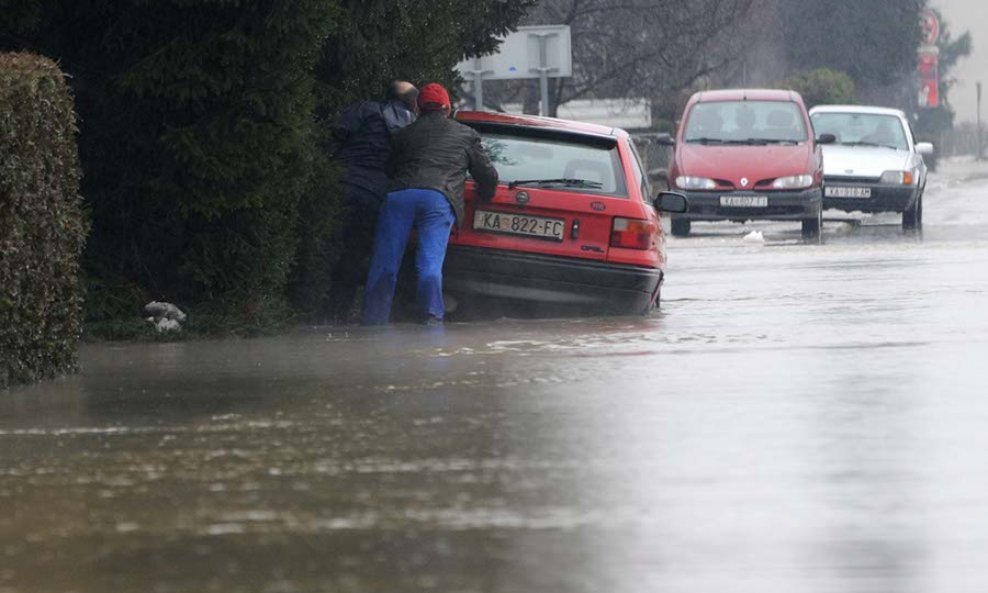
x=797 y=418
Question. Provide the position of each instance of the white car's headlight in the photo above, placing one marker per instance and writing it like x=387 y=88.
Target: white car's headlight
x=898 y=177
x=684 y=182
x=794 y=182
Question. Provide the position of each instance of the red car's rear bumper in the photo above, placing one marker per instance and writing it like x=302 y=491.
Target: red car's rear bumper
x=549 y=284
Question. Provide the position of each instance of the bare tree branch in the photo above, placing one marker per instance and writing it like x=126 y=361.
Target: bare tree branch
x=644 y=48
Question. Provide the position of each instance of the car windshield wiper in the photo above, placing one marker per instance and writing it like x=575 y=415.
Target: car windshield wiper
x=773 y=141
x=733 y=142
x=561 y=181
x=869 y=144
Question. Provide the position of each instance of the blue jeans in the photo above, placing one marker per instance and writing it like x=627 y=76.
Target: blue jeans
x=429 y=212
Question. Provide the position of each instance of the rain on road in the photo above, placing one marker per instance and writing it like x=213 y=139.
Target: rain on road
x=797 y=418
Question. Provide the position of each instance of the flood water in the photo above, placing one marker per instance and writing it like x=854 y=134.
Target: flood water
x=797 y=418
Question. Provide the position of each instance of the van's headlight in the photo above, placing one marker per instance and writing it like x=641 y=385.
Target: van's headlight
x=794 y=182
x=695 y=183
x=898 y=177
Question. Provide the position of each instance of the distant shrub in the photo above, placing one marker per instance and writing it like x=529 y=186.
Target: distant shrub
x=823 y=86
x=42 y=228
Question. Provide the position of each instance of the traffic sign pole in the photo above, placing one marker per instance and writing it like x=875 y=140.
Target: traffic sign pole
x=980 y=154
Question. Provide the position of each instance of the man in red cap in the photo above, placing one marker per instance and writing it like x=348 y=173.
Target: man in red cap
x=429 y=162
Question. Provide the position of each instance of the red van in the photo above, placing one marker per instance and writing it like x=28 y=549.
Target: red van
x=747 y=155
x=573 y=227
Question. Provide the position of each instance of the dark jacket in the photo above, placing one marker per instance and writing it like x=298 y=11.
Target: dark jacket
x=364 y=134
x=436 y=152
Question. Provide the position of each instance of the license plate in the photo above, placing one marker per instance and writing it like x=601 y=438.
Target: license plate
x=519 y=224
x=744 y=201
x=847 y=192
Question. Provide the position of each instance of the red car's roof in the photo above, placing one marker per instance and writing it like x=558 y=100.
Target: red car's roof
x=746 y=95
x=534 y=121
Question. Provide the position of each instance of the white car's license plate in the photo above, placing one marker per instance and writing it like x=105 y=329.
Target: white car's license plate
x=744 y=201
x=519 y=224
x=847 y=192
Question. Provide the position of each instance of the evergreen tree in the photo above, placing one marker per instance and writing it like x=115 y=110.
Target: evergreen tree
x=201 y=126
x=873 y=41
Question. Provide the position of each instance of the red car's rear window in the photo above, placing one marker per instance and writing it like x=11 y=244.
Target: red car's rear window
x=529 y=155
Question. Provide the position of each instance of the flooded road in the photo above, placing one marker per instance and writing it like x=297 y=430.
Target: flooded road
x=798 y=418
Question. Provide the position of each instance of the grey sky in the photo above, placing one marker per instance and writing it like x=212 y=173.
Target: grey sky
x=961 y=16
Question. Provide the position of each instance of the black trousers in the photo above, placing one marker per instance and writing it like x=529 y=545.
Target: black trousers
x=358 y=219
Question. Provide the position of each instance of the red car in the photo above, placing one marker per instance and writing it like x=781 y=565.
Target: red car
x=572 y=227
x=745 y=155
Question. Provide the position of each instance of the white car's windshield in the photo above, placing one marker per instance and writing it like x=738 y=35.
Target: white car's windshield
x=551 y=162
x=745 y=122
x=862 y=129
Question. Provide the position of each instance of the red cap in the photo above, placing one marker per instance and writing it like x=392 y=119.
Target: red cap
x=433 y=97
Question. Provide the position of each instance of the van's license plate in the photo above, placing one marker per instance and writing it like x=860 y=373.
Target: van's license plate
x=744 y=201
x=519 y=224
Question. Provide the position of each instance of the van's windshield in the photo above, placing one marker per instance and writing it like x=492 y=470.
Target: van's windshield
x=745 y=123
x=553 y=162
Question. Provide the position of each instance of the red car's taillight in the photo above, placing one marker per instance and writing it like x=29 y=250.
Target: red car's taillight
x=632 y=233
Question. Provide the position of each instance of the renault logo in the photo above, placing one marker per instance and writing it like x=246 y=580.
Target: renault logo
x=744 y=182
x=521 y=197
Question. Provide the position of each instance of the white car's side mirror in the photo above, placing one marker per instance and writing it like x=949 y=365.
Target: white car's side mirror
x=924 y=148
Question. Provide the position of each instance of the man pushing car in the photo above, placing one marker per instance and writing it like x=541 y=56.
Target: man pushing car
x=428 y=165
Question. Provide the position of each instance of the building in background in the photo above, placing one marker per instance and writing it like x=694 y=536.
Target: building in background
x=967 y=15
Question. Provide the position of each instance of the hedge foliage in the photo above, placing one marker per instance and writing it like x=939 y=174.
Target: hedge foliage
x=822 y=86
x=873 y=41
x=42 y=227
x=203 y=126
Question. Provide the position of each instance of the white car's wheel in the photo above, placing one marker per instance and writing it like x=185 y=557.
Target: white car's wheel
x=912 y=217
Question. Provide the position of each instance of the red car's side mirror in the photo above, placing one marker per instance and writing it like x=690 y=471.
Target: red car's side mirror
x=670 y=201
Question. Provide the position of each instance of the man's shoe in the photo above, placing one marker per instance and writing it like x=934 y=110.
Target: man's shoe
x=432 y=321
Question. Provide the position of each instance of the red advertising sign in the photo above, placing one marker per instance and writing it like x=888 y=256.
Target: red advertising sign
x=930 y=25
x=929 y=80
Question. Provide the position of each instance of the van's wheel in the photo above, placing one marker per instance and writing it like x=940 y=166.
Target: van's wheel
x=680 y=227
x=811 y=226
x=912 y=217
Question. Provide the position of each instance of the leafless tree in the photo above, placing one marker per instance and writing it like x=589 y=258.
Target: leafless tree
x=641 y=48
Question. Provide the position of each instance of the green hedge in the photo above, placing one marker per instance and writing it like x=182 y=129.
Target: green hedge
x=822 y=86
x=42 y=227
x=204 y=137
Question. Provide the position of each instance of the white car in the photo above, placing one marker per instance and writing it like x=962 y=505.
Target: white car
x=875 y=165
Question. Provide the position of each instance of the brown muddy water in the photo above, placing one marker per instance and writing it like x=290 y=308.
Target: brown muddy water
x=798 y=418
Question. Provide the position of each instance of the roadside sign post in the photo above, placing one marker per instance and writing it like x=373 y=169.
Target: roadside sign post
x=478 y=73
x=981 y=149
x=541 y=52
x=543 y=69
